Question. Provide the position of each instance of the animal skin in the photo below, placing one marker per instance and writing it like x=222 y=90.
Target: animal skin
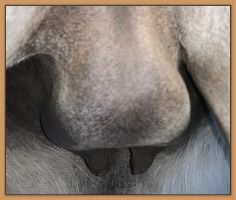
x=118 y=100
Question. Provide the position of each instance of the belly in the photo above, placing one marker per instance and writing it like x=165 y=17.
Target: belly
x=90 y=110
x=115 y=80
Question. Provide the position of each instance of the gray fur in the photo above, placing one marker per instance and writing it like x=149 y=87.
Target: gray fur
x=200 y=166
x=102 y=99
x=205 y=34
x=108 y=77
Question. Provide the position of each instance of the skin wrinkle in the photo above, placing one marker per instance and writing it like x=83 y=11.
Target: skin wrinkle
x=215 y=62
x=102 y=93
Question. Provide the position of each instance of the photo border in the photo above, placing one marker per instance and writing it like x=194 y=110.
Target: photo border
x=4 y=3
